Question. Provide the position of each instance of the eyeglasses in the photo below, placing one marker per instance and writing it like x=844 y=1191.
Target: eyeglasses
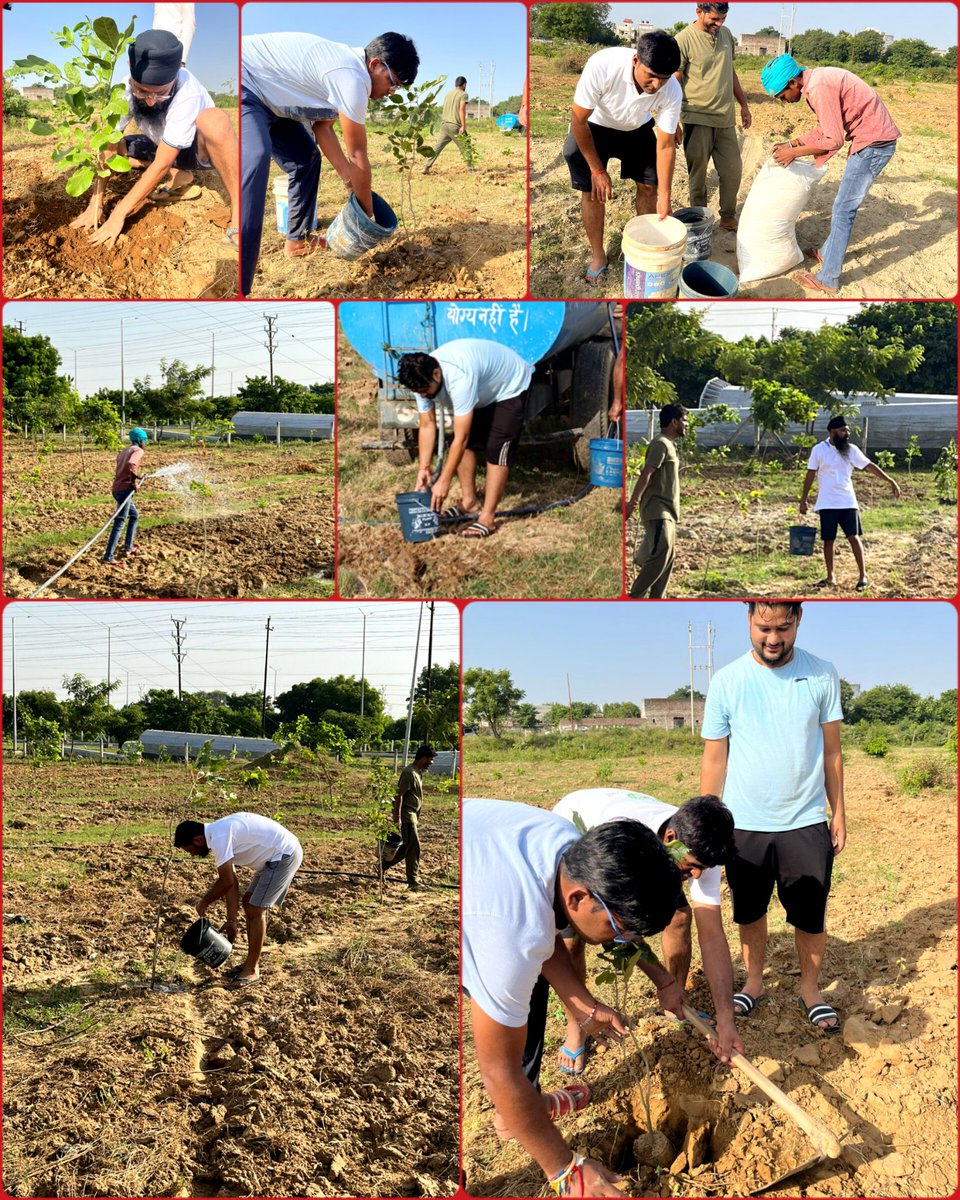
x=394 y=81
x=623 y=936
x=144 y=95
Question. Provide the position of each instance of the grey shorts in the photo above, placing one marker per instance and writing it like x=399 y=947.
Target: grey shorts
x=269 y=886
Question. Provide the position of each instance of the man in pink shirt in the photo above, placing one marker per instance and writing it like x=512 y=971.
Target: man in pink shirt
x=847 y=110
x=126 y=481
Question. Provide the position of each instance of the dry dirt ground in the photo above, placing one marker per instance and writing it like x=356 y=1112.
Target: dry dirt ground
x=336 y=1076
x=570 y=551
x=904 y=243
x=470 y=240
x=168 y=251
x=886 y=1087
x=265 y=529
x=910 y=544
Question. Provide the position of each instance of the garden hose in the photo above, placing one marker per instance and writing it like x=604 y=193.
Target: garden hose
x=81 y=552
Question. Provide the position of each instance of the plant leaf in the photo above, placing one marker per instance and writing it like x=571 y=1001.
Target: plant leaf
x=80 y=181
x=117 y=162
x=41 y=128
x=106 y=30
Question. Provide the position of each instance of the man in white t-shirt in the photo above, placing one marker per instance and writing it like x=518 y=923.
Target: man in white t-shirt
x=180 y=131
x=528 y=878
x=832 y=463
x=486 y=385
x=293 y=87
x=705 y=827
x=626 y=105
x=244 y=840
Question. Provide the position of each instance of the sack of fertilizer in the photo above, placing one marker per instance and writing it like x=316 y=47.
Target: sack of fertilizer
x=766 y=232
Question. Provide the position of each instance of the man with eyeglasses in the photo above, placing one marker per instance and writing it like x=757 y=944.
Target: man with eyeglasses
x=294 y=86
x=705 y=827
x=626 y=106
x=180 y=130
x=529 y=878
x=847 y=110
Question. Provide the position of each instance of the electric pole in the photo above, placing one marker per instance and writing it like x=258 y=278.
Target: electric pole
x=270 y=343
x=570 y=702
x=20 y=325
x=109 y=632
x=430 y=656
x=13 y=678
x=363 y=661
x=179 y=653
x=266 y=661
x=213 y=348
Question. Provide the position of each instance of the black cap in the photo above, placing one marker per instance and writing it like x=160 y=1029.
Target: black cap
x=155 y=58
x=836 y=423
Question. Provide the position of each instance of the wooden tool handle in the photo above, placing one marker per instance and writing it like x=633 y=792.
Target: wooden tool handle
x=822 y=1137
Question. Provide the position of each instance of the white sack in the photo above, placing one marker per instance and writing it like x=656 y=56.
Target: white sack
x=766 y=233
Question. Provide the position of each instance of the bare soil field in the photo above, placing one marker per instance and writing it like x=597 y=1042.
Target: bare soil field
x=470 y=240
x=886 y=1086
x=910 y=544
x=167 y=251
x=570 y=551
x=265 y=529
x=904 y=243
x=337 y=1075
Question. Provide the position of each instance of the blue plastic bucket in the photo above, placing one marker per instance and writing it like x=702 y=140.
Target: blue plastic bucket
x=707 y=281
x=606 y=462
x=802 y=539
x=418 y=521
x=699 y=223
x=508 y=121
x=352 y=233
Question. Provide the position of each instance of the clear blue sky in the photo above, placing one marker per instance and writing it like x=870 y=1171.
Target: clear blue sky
x=303 y=339
x=451 y=39
x=631 y=650
x=224 y=644
x=212 y=58
x=936 y=24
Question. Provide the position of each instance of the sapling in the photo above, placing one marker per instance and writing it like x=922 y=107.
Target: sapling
x=414 y=114
x=379 y=818
x=86 y=124
x=912 y=451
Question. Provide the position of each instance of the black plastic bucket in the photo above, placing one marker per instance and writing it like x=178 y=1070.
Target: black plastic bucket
x=390 y=848
x=204 y=943
x=802 y=539
x=699 y=223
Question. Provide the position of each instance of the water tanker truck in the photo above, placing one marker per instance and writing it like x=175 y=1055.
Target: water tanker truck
x=572 y=345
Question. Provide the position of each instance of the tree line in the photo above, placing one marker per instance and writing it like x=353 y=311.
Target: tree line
x=87 y=714
x=37 y=395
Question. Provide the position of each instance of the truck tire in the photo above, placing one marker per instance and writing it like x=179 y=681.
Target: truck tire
x=591 y=395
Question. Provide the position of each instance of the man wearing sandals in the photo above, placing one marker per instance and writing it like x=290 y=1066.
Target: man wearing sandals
x=847 y=110
x=626 y=106
x=244 y=839
x=528 y=878
x=771 y=731
x=705 y=827
x=486 y=385
x=657 y=491
x=180 y=131
x=832 y=463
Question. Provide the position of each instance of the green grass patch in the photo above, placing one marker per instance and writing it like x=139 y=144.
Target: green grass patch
x=930 y=132
x=59 y=1006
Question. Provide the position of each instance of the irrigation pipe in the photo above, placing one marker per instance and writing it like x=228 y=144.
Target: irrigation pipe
x=79 y=554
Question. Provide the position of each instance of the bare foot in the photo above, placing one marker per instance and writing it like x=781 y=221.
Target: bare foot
x=304 y=246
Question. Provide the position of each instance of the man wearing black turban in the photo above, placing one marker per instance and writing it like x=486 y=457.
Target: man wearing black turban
x=180 y=131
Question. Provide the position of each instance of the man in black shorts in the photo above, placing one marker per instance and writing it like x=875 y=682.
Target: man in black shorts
x=627 y=106
x=771 y=725
x=486 y=386
x=832 y=463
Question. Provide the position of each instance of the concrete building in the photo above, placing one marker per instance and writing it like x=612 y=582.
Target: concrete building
x=36 y=92
x=629 y=30
x=888 y=38
x=761 y=45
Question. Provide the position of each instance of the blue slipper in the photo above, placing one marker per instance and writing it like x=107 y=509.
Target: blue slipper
x=593 y=277
x=574 y=1054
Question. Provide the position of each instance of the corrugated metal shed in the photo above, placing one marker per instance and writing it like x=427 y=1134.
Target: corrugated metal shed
x=305 y=426
x=175 y=743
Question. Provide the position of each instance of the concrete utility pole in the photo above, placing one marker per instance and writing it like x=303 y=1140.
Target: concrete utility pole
x=270 y=343
x=13 y=678
x=179 y=653
x=266 y=661
x=109 y=632
x=363 y=662
x=213 y=361
x=700 y=639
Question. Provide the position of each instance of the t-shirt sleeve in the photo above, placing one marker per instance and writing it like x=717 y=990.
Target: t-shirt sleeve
x=830 y=706
x=706 y=889
x=667 y=116
x=589 y=86
x=221 y=844
x=656 y=454
x=858 y=458
x=813 y=463
x=347 y=92
x=180 y=126
x=681 y=41
x=498 y=975
x=716 y=715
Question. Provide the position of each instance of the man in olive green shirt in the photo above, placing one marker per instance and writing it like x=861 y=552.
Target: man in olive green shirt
x=711 y=91
x=406 y=811
x=658 y=494
x=453 y=124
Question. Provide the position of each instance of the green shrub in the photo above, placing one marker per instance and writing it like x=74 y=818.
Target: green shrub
x=877 y=745
x=924 y=773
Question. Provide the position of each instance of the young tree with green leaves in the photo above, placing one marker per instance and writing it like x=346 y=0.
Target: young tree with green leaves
x=413 y=114
x=35 y=394
x=589 y=23
x=490 y=698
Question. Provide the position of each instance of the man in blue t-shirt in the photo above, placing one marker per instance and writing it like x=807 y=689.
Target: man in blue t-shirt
x=771 y=726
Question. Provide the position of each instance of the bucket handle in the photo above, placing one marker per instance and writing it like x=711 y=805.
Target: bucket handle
x=614 y=429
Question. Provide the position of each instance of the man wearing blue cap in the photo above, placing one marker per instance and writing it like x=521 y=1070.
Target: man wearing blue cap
x=126 y=482
x=847 y=109
x=180 y=131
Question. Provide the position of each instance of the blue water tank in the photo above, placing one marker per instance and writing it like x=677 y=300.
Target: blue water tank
x=381 y=331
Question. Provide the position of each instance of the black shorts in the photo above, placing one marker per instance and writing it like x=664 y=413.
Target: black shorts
x=144 y=149
x=635 y=148
x=848 y=519
x=798 y=861
x=495 y=430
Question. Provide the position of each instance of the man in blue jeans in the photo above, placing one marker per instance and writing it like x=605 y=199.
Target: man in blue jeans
x=847 y=110
x=294 y=86
x=126 y=481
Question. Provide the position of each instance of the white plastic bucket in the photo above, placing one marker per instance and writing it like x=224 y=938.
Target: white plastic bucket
x=281 y=202
x=653 y=253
